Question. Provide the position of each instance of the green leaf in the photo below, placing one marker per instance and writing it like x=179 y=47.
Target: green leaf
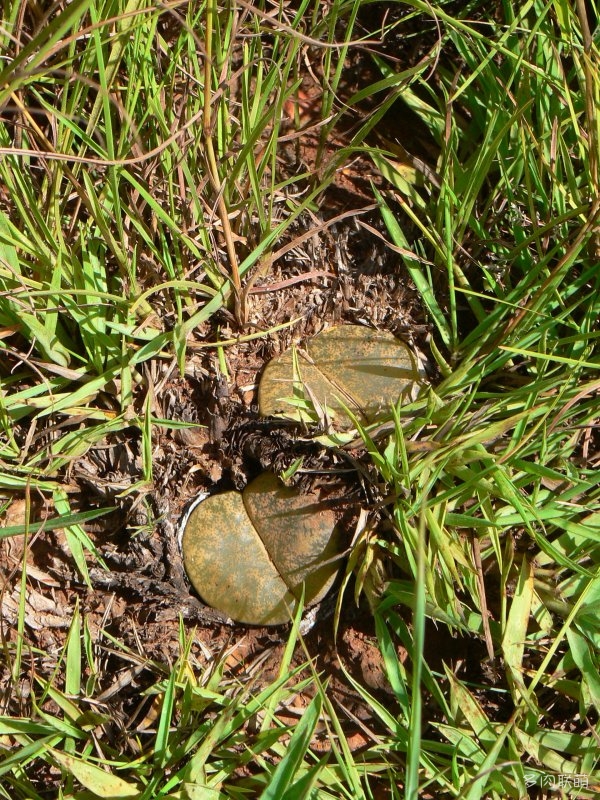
x=45 y=340
x=515 y=633
x=416 y=271
x=287 y=769
x=98 y=781
x=587 y=663
x=54 y=523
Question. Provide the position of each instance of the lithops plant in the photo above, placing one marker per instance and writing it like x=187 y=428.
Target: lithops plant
x=348 y=366
x=250 y=554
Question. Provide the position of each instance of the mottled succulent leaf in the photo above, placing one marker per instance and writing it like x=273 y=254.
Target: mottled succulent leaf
x=345 y=367
x=298 y=533
x=294 y=388
x=250 y=554
x=228 y=564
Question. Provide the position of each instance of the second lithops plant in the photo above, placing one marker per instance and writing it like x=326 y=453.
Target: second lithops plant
x=345 y=367
x=252 y=554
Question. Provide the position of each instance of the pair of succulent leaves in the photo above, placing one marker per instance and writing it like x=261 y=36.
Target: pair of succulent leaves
x=252 y=555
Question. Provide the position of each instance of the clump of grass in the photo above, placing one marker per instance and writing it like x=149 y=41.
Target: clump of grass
x=495 y=467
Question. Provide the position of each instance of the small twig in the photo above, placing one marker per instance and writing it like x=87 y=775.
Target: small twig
x=305 y=276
